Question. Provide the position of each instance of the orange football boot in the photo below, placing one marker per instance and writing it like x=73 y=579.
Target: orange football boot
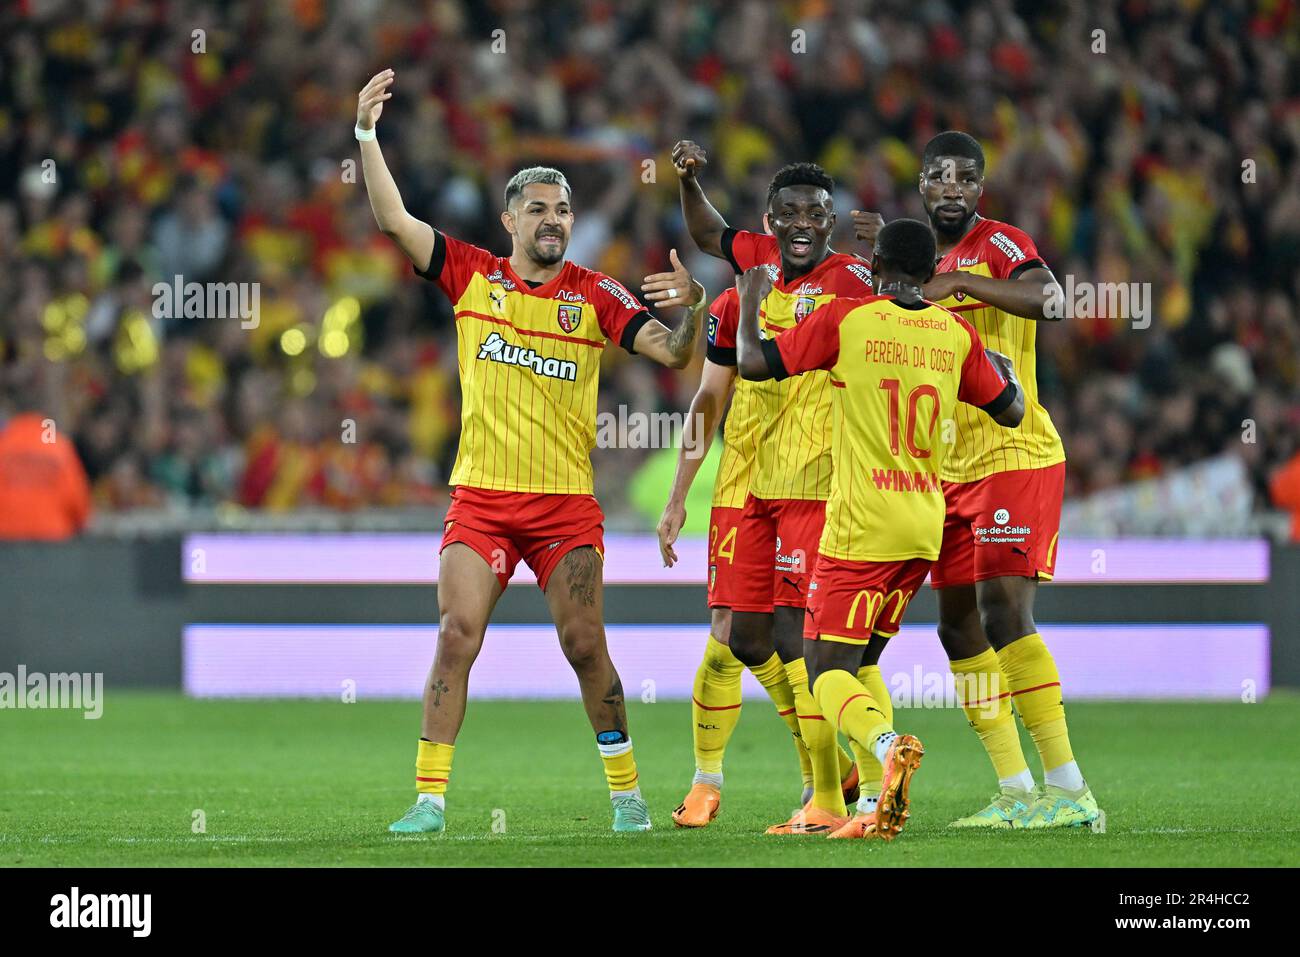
x=901 y=761
x=809 y=820
x=859 y=826
x=699 y=807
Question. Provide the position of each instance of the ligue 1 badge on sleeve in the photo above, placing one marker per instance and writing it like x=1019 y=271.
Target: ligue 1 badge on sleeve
x=569 y=317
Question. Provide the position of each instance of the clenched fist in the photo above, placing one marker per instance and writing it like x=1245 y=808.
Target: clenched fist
x=866 y=226
x=689 y=158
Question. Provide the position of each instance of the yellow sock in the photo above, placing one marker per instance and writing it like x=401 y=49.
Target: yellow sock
x=620 y=766
x=715 y=704
x=1036 y=690
x=869 y=770
x=771 y=675
x=819 y=738
x=845 y=760
x=986 y=700
x=851 y=708
x=432 y=767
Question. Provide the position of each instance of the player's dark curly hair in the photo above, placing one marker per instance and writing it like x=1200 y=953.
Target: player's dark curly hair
x=954 y=143
x=906 y=246
x=799 y=174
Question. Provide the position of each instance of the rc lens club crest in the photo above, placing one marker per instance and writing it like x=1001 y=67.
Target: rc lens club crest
x=569 y=317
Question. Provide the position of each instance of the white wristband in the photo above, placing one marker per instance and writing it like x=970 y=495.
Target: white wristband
x=364 y=136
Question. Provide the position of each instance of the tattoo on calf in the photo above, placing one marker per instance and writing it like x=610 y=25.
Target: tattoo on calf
x=614 y=699
x=438 y=689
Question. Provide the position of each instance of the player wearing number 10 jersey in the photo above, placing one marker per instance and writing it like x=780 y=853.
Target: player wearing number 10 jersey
x=899 y=366
x=1003 y=491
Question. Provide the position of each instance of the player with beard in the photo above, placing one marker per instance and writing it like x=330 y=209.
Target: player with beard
x=775 y=545
x=1003 y=490
x=530 y=330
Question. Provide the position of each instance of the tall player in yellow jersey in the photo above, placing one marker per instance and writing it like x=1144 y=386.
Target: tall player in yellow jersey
x=530 y=330
x=1003 y=490
x=776 y=540
x=899 y=366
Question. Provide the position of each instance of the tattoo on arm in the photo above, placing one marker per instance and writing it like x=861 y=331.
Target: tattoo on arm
x=582 y=568
x=681 y=341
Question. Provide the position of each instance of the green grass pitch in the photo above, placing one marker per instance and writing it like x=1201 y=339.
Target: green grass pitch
x=315 y=783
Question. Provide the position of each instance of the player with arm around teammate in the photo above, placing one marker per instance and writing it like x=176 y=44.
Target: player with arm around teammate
x=900 y=365
x=1004 y=490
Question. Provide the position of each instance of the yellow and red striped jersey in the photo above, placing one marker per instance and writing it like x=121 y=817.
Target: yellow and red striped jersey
x=899 y=370
x=529 y=359
x=983 y=447
x=741 y=433
x=794 y=448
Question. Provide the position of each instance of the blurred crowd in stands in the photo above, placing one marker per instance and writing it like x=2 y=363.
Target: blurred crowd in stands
x=1145 y=141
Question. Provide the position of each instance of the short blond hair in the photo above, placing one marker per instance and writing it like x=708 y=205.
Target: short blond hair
x=534 y=174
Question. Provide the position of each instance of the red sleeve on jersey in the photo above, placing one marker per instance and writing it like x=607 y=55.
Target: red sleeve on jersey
x=745 y=250
x=815 y=342
x=620 y=314
x=981 y=382
x=454 y=263
x=850 y=278
x=723 y=314
x=1009 y=250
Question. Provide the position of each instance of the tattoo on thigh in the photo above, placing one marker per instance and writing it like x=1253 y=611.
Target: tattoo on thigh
x=438 y=688
x=582 y=568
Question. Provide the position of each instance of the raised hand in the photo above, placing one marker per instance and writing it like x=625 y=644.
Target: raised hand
x=676 y=288
x=370 y=101
x=866 y=226
x=689 y=158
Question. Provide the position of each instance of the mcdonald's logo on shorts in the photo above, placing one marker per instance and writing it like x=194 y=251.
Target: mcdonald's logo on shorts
x=877 y=602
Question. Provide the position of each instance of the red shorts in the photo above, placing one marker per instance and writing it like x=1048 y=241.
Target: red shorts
x=724 y=525
x=503 y=527
x=1003 y=525
x=776 y=549
x=849 y=601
